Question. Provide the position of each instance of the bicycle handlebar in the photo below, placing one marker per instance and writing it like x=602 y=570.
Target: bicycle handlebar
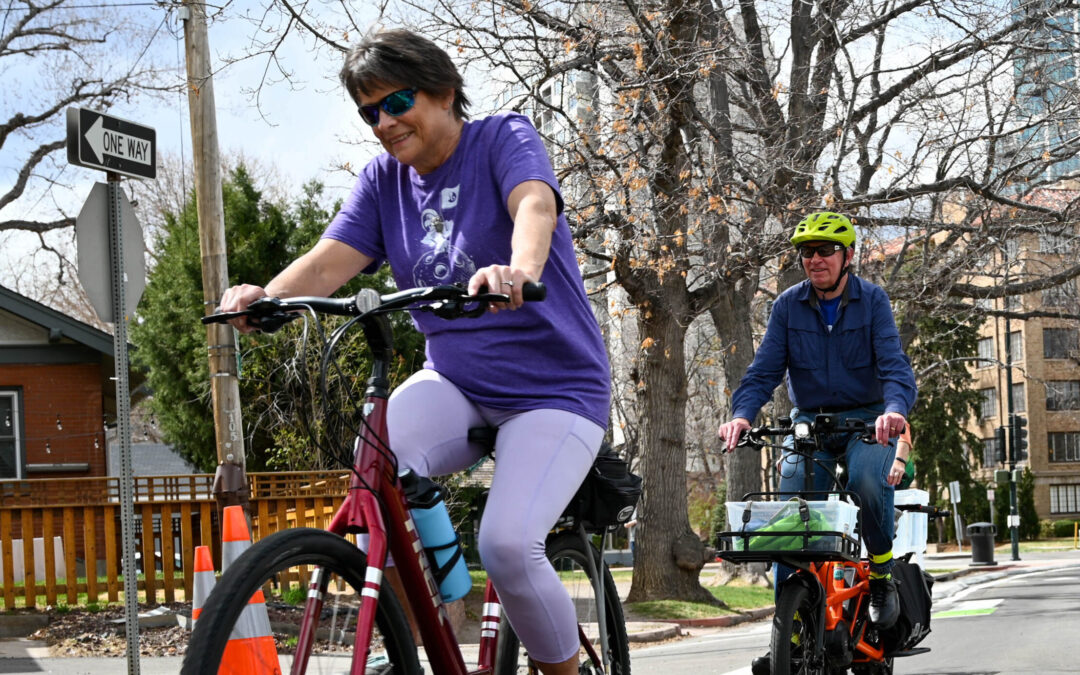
x=448 y=302
x=822 y=424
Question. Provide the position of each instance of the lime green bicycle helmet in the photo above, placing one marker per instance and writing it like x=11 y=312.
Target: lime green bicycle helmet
x=824 y=226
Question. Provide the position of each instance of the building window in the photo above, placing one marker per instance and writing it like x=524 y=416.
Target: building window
x=991 y=448
x=10 y=455
x=1065 y=498
x=1012 y=302
x=1019 y=401
x=988 y=405
x=1016 y=346
x=1060 y=343
x=986 y=353
x=1064 y=446
x=1063 y=395
x=1063 y=295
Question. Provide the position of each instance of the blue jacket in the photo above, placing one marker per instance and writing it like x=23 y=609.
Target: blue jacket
x=859 y=363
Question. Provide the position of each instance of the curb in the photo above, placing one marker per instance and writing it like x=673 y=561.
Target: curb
x=655 y=634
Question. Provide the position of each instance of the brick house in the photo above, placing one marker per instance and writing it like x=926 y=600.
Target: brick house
x=56 y=392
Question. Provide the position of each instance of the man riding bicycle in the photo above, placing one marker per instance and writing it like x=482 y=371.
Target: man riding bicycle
x=835 y=337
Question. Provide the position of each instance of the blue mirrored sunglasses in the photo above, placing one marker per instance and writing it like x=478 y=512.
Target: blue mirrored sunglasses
x=395 y=104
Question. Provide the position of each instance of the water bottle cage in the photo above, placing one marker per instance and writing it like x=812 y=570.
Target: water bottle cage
x=441 y=572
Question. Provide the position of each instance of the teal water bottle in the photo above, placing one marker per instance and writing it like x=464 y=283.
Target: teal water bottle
x=427 y=503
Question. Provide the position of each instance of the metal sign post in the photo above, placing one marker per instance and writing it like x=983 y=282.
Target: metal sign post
x=123 y=425
x=954 y=497
x=98 y=141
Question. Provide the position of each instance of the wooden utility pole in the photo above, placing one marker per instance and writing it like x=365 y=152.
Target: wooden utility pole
x=230 y=483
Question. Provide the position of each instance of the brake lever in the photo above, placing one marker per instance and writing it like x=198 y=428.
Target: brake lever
x=747 y=440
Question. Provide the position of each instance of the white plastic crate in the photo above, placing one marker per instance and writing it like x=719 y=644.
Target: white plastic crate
x=830 y=516
x=911 y=528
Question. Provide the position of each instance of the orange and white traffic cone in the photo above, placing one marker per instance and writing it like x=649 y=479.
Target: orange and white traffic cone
x=203 y=582
x=251 y=649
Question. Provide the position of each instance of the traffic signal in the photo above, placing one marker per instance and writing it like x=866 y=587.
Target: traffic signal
x=1018 y=443
x=999 y=433
x=1001 y=477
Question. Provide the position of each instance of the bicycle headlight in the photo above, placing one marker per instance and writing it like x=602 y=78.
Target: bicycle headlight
x=802 y=430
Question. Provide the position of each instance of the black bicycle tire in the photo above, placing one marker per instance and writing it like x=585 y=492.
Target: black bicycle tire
x=295 y=546
x=793 y=597
x=506 y=651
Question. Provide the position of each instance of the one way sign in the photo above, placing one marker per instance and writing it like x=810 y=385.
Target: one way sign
x=98 y=141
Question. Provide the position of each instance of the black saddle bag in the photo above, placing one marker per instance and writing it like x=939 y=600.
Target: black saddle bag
x=913 y=586
x=608 y=494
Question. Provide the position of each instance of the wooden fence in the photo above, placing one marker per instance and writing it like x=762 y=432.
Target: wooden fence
x=62 y=537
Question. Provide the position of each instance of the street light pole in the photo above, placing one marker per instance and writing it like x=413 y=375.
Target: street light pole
x=1014 y=530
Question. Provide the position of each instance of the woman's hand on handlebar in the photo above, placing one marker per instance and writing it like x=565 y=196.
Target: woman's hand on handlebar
x=501 y=279
x=237 y=299
x=888 y=426
x=731 y=432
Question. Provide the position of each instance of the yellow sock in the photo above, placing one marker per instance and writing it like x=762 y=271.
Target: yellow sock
x=880 y=560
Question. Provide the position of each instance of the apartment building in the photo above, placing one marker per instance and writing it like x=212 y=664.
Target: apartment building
x=1044 y=354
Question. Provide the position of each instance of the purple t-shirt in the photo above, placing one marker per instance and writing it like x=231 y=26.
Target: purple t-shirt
x=440 y=227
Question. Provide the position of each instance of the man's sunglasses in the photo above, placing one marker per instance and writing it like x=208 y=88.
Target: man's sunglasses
x=398 y=103
x=825 y=250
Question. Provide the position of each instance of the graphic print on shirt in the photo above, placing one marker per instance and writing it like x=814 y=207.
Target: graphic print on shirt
x=442 y=263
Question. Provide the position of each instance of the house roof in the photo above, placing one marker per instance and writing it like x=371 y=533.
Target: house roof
x=151 y=459
x=58 y=323
x=69 y=341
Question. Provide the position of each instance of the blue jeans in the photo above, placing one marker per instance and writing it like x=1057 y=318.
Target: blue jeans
x=867 y=469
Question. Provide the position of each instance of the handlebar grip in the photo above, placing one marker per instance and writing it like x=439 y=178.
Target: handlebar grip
x=534 y=291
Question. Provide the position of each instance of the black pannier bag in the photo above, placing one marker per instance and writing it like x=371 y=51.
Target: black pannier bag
x=913 y=586
x=608 y=494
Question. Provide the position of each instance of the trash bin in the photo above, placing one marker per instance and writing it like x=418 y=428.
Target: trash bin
x=981 y=536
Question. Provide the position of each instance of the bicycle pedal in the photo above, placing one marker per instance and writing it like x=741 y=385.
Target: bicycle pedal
x=914 y=651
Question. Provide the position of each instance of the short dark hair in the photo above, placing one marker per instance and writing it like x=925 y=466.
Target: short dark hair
x=401 y=57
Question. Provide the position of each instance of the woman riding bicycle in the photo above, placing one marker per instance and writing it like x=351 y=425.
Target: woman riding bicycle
x=835 y=337
x=476 y=202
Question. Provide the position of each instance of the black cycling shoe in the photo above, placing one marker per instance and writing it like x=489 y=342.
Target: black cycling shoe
x=884 y=603
x=762 y=665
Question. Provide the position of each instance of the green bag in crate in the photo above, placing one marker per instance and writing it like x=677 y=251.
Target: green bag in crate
x=801 y=520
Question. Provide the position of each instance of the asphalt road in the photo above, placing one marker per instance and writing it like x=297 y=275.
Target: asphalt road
x=1021 y=620
x=1021 y=623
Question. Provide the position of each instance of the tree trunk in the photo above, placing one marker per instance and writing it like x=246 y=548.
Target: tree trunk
x=664 y=534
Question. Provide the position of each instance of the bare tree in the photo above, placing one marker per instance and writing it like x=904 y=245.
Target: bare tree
x=57 y=54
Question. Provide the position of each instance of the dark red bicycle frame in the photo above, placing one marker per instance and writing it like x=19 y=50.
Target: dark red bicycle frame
x=361 y=513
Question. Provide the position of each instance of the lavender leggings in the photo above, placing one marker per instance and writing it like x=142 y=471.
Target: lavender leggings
x=542 y=457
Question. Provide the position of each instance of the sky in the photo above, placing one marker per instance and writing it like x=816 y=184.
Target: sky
x=301 y=131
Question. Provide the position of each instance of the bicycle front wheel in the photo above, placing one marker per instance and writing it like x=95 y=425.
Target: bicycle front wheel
x=794 y=633
x=567 y=553
x=282 y=566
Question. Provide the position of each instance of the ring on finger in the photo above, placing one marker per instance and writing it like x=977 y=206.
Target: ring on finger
x=508 y=283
